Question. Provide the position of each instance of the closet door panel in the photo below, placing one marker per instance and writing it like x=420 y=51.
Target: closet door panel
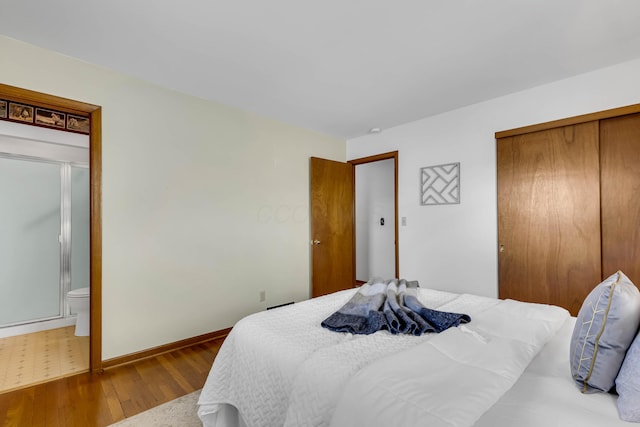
x=549 y=215
x=620 y=194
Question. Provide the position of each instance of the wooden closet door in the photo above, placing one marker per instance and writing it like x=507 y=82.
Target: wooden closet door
x=620 y=195
x=549 y=215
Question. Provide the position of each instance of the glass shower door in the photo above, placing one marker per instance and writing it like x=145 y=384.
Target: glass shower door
x=80 y=227
x=30 y=198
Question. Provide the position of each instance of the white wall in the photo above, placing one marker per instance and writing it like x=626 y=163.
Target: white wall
x=453 y=247
x=375 y=243
x=204 y=205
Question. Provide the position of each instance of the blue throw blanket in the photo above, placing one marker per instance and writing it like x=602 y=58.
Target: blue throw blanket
x=392 y=305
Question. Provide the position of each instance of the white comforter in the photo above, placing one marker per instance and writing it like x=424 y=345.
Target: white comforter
x=547 y=396
x=452 y=379
x=280 y=368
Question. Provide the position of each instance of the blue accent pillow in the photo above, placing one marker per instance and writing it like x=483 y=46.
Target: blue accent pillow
x=606 y=325
x=628 y=384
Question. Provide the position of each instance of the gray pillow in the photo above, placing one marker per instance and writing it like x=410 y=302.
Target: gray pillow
x=606 y=325
x=628 y=384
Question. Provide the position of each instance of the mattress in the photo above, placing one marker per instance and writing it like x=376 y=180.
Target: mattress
x=280 y=368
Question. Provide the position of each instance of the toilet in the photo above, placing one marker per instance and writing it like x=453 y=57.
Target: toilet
x=78 y=300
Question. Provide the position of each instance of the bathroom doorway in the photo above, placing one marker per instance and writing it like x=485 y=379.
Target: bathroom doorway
x=94 y=114
x=44 y=253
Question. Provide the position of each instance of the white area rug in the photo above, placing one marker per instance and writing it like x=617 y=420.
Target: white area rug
x=180 y=412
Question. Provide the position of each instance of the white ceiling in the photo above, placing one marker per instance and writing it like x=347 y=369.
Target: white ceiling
x=339 y=67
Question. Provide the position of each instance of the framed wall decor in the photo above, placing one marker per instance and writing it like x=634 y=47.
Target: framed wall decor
x=440 y=184
x=78 y=123
x=43 y=117
x=50 y=118
x=20 y=112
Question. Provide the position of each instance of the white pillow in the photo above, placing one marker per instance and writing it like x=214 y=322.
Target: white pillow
x=606 y=325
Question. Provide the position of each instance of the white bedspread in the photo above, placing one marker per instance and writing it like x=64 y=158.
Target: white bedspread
x=547 y=396
x=280 y=368
x=452 y=379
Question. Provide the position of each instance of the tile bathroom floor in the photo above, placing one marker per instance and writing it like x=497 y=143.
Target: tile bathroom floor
x=41 y=356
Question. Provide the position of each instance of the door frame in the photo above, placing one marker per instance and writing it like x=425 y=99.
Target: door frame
x=370 y=159
x=94 y=112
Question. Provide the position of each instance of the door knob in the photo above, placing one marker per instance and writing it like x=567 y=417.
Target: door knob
x=315 y=242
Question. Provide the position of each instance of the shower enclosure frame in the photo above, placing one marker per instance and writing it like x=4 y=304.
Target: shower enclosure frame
x=64 y=236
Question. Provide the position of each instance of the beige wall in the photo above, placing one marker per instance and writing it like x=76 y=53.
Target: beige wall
x=204 y=205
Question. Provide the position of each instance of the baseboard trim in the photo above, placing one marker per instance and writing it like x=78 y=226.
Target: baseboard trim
x=156 y=351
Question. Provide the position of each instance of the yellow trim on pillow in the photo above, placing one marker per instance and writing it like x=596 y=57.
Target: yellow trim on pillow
x=593 y=307
x=604 y=323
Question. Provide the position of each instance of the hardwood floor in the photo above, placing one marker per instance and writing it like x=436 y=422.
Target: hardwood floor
x=87 y=400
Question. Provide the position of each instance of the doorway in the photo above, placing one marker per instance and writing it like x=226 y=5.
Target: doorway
x=332 y=222
x=376 y=217
x=44 y=254
x=94 y=114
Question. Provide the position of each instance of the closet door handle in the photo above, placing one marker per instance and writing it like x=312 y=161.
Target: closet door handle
x=315 y=242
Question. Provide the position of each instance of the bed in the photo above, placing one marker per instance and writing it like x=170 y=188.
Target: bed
x=508 y=366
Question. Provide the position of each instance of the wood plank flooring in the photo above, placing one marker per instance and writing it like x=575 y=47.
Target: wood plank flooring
x=98 y=400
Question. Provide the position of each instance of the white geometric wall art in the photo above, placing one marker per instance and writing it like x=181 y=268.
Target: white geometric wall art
x=440 y=184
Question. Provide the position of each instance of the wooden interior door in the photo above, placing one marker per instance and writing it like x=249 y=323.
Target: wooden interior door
x=332 y=189
x=620 y=186
x=549 y=215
